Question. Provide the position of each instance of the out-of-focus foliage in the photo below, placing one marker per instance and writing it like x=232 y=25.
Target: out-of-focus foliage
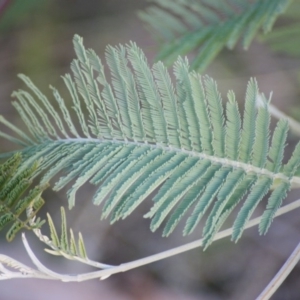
x=208 y=26
x=18 y=10
x=285 y=36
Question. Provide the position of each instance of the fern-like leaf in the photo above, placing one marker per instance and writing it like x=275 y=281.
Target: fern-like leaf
x=12 y=202
x=208 y=26
x=143 y=134
x=63 y=244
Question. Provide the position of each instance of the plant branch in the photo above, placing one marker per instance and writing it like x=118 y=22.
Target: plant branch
x=195 y=244
x=102 y=274
x=281 y=275
x=247 y=167
x=23 y=270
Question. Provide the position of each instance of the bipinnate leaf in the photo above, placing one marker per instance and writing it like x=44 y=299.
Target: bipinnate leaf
x=144 y=134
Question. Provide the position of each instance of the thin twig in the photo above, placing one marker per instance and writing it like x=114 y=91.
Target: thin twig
x=281 y=275
x=162 y=255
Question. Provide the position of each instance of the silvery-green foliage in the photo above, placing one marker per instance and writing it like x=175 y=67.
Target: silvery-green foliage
x=140 y=132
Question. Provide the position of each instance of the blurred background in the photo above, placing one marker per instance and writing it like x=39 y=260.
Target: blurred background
x=36 y=39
